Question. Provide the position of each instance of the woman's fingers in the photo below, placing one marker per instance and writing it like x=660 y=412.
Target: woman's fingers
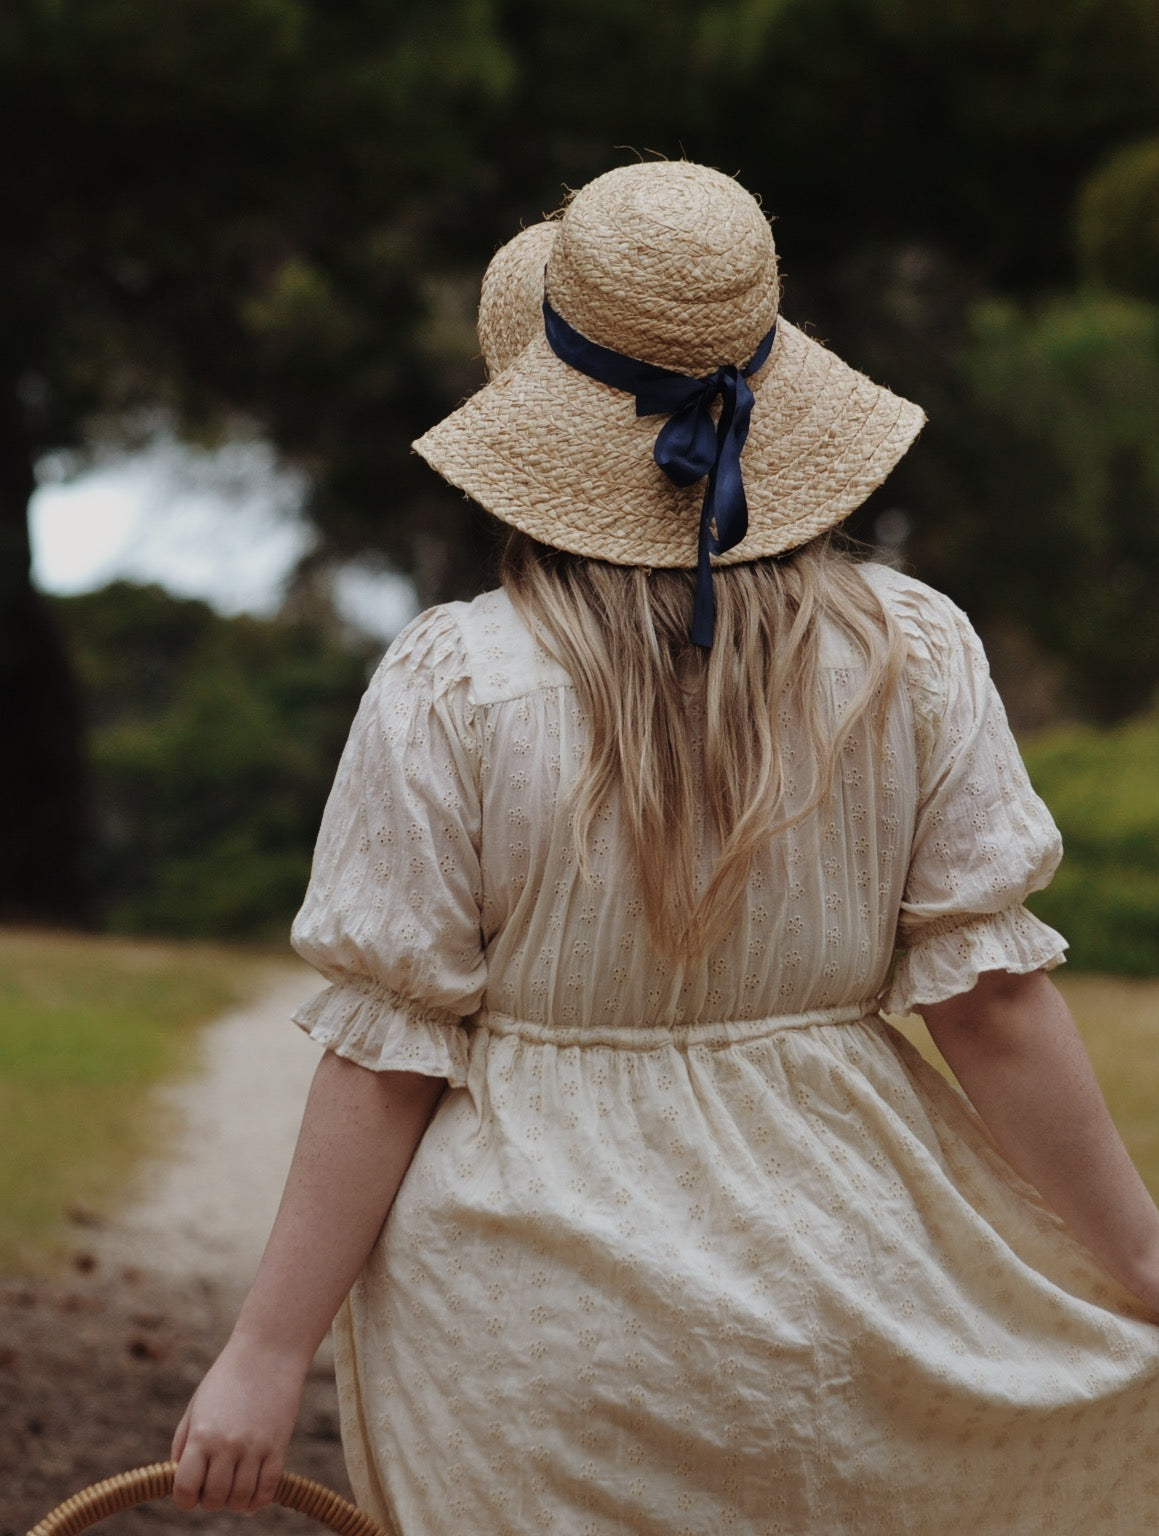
x=180 y=1436
x=187 y=1485
x=268 y=1480
x=228 y=1476
x=245 y=1482
x=217 y=1484
x=255 y=1484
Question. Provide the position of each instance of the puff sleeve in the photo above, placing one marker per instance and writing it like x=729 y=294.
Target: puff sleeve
x=391 y=914
x=983 y=839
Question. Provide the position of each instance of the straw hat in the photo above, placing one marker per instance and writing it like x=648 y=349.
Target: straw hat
x=511 y=302
x=674 y=265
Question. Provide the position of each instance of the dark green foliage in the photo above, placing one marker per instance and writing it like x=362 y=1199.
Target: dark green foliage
x=1117 y=221
x=1101 y=788
x=214 y=742
x=213 y=207
x=1072 y=389
x=280 y=209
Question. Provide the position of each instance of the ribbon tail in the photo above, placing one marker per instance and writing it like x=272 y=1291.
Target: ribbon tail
x=703 y=626
x=728 y=514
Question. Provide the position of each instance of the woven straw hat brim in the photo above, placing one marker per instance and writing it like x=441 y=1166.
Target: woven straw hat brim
x=566 y=459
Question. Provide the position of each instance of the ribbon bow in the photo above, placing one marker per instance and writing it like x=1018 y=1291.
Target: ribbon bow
x=689 y=445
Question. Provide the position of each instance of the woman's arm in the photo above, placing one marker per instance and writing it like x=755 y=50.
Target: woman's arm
x=1013 y=1046
x=359 y=1133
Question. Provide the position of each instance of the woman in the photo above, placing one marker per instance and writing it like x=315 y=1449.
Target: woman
x=607 y=894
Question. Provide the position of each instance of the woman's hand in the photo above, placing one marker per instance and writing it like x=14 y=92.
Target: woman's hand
x=230 y=1447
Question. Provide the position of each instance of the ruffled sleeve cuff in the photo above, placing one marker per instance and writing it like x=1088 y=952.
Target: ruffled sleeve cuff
x=946 y=957
x=379 y=1029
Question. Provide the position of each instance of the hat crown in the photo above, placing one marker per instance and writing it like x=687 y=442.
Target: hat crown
x=667 y=262
x=511 y=303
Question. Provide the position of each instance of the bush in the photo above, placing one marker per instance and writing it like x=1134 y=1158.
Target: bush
x=213 y=744
x=1101 y=788
x=1070 y=388
x=1117 y=221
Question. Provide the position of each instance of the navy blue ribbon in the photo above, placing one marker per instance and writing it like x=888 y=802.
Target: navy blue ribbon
x=689 y=445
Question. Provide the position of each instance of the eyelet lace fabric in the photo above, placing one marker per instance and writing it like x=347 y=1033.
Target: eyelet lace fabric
x=704 y=1248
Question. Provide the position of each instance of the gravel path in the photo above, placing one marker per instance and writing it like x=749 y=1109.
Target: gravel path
x=202 y=1207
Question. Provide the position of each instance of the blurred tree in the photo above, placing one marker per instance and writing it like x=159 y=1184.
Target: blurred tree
x=964 y=126
x=1117 y=221
x=210 y=206
x=281 y=208
x=1076 y=382
x=213 y=747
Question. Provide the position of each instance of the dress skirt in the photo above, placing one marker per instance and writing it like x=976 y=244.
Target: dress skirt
x=761 y=1278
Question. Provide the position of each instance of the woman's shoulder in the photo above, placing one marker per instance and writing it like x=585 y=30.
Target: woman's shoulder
x=935 y=628
x=484 y=642
x=912 y=600
x=945 y=658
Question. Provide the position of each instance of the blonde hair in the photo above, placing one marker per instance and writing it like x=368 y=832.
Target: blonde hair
x=621 y=633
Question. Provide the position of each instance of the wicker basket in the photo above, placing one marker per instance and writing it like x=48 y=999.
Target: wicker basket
x=128 y=1489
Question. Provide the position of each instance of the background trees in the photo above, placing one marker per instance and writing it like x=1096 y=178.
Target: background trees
x=213 y=742
x=211 y=208
x=278 y=211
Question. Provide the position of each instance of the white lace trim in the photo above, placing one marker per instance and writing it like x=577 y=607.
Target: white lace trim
x=941 y=963
x=378 y=1029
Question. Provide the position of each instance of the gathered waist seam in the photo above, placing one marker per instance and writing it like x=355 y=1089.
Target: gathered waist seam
x=715 y=1035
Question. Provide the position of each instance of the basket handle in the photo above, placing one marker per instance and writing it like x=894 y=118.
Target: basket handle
x=128 y=1489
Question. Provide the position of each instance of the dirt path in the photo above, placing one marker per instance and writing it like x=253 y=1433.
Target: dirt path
x=97 y=1365
x=202 y=1208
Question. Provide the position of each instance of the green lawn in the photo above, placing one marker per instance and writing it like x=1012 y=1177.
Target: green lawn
x=86 y=1025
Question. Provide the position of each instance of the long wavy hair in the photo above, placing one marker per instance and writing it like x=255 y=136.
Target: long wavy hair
x=673 y=728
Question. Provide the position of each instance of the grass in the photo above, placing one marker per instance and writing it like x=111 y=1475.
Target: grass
x=1100 y=787
x=1118 y=1018
x=86 y=1026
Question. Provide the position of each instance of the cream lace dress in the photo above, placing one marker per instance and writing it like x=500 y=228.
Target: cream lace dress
x=707 y=1249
